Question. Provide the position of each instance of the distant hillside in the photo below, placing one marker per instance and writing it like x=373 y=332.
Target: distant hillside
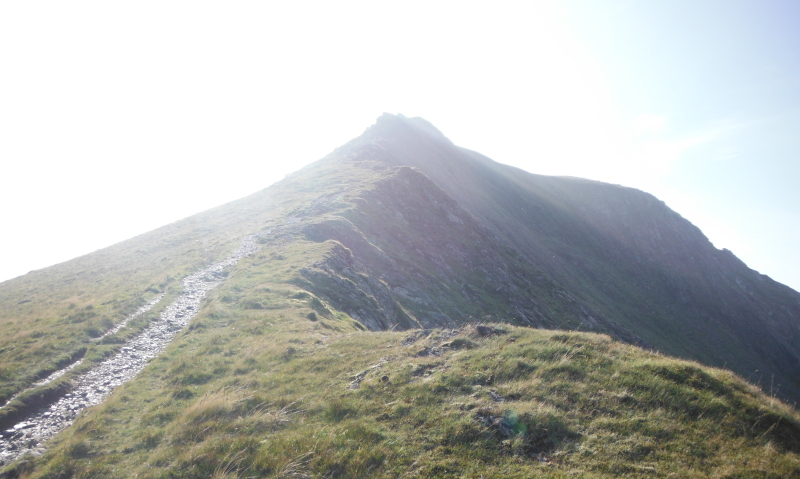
x=347 y=345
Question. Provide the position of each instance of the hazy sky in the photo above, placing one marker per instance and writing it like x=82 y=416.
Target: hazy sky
x=119 y=117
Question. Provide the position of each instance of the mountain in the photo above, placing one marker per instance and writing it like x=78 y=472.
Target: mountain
x=408 y=294
x=487 y=239
x=621 y=253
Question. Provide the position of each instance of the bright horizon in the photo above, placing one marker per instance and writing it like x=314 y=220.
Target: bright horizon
x=116 y=119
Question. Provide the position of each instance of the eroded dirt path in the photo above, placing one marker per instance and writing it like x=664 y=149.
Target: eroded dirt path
x=93 y=387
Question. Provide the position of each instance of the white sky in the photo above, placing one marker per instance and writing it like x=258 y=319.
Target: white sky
x=119 y=117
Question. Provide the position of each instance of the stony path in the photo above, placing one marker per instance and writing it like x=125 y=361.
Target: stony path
x=147 y=307
x=94 y=386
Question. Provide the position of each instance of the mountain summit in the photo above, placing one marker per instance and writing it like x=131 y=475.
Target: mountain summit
x=404 y=306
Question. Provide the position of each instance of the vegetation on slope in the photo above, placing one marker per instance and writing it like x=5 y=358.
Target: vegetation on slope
x=272 y=381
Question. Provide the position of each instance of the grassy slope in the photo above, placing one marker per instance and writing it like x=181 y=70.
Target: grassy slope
x=260 y=387
x=49 y=317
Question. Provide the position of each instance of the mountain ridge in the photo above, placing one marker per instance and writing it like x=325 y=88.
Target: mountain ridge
x=401 y=230
x=555 y=194
x=395 y=140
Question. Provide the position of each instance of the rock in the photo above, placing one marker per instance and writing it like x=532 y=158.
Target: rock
x=486 y=331
x=496 y=397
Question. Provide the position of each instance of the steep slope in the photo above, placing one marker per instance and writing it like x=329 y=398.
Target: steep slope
x=413 y=258
x=400 y=229
x=49 y=317
x=621 y=252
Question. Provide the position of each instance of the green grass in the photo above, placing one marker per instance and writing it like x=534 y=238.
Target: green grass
x=575 y=403
x=255 y=388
